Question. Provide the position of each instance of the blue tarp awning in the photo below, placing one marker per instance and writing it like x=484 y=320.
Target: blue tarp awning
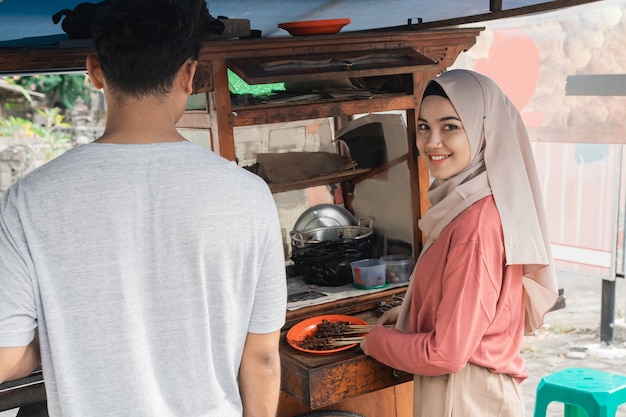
x=26 y=19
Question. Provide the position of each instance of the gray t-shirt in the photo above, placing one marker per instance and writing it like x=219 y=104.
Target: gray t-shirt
x=143 y=267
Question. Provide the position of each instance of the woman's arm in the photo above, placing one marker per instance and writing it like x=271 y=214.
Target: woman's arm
x=459 y=290
x=389 y=317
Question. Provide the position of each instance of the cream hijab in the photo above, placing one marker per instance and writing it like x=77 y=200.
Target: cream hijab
x=502 y=164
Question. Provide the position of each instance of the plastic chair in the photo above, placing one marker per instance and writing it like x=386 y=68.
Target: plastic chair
x=584 y=392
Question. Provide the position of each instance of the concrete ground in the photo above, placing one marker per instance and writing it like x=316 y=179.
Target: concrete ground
x=571 y=338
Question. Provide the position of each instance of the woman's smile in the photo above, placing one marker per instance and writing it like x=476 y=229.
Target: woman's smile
x=438 y=158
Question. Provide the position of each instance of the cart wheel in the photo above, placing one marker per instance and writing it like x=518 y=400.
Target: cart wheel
x=330 y=413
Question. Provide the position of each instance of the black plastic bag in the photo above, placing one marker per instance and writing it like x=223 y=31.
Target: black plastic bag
x=328 y=263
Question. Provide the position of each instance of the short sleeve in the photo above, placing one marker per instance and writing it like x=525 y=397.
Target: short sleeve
x=270 y=301
x=18 y=313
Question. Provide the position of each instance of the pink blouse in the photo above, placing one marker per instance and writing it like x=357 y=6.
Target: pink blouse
x=467 y=305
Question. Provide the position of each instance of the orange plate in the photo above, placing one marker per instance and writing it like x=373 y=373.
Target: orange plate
x=306 y=327
x=314 y=27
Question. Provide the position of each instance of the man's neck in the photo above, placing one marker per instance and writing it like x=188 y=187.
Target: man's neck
x=141 y=121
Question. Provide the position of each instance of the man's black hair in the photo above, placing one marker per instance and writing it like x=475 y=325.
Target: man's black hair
x=142 y=44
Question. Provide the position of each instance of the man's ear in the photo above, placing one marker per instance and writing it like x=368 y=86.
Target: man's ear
x=186 y=75
x=94 y=70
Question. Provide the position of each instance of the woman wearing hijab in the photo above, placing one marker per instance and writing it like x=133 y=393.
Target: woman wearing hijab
x=484 y=277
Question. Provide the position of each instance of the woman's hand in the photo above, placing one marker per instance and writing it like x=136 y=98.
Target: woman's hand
x=364 y=346
x=389 y=316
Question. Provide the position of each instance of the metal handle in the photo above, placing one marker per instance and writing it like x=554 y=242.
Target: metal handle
x=368 y=220
x=297 y=239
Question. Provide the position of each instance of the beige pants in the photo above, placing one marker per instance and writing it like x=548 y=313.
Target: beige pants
x=471 y=392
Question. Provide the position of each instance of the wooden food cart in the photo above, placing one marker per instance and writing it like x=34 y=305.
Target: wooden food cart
x=347 y=380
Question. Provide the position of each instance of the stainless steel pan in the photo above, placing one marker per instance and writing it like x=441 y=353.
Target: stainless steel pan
x=324 y=234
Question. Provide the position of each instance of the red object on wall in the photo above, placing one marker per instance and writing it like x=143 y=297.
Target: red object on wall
x=513 y=63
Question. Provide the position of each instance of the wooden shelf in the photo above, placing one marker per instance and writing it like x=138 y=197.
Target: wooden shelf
x=279 y=113
x=281 y=187
x=349 y=306
x=333 y=64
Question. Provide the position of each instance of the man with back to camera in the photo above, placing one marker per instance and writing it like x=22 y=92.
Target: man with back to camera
x=147 y=271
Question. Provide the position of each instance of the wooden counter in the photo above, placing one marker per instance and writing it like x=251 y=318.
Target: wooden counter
x=396 y=401
x=347 y=380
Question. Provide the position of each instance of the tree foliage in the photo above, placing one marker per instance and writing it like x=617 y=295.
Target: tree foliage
x=49 y=138
x=62 y=90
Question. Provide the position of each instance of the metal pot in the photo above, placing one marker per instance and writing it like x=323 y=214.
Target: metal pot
x=324 y=215
x=324 y=234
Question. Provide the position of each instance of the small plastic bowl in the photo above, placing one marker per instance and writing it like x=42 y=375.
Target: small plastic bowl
x=399 y=268
x=368 y=274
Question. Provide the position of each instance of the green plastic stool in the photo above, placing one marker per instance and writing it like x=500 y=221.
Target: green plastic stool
x=584 y=392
